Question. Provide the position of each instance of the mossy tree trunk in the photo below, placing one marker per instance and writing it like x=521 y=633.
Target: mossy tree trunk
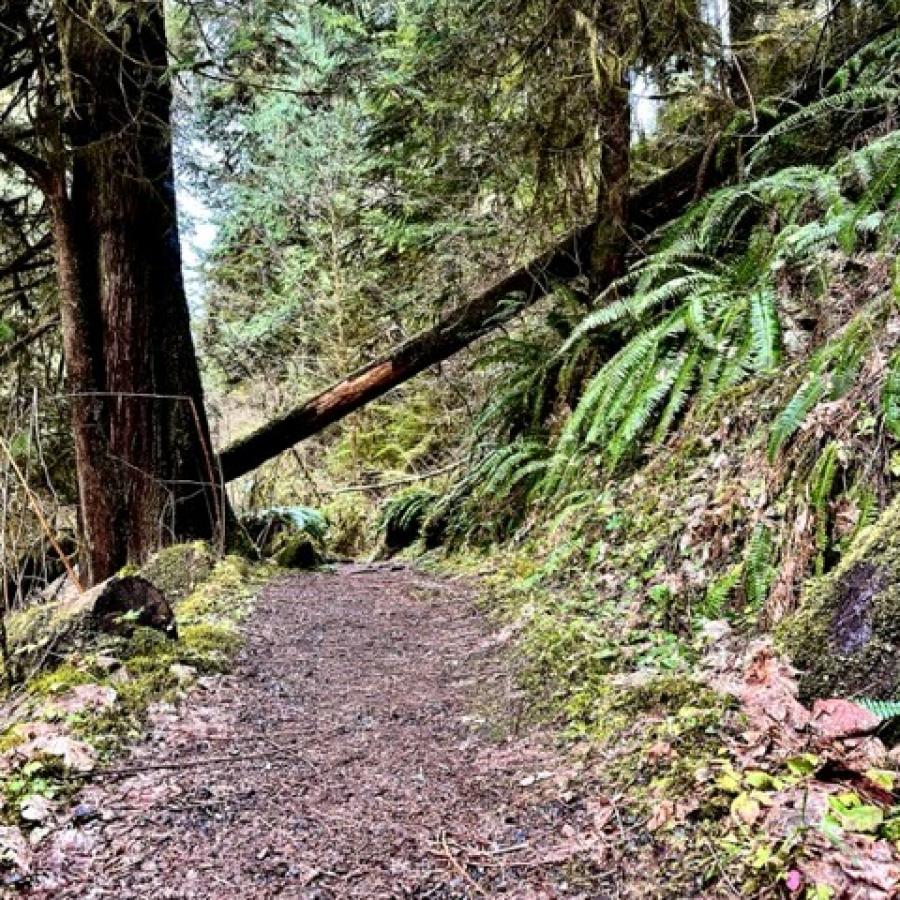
x=145 y=467
x=609 y=244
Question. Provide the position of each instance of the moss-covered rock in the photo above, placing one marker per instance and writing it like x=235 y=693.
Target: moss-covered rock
x=845 y=638
x=293 y=537
x=297 y=551
x=178 y=569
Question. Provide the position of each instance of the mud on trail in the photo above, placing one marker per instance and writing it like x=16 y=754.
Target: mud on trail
x=364 y=746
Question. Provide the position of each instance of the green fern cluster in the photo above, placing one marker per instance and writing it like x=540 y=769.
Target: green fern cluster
x=403 y=514
x=830 y=374
x=884 y=709
x=703 y=312
x=489 y=501
x=890 y=398
x=303 y=518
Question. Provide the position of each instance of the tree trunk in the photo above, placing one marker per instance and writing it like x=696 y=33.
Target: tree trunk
x=609 y=244
x=145 y=468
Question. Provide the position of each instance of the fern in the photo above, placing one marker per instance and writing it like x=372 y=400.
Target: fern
x=794 y=414
x=821 y=485
x=701 y=313
x=403 y=513
x=764 y=330
x=758 y=568
x=864 y=96
x=303 y=518
x=890 y=398
x=884 y=709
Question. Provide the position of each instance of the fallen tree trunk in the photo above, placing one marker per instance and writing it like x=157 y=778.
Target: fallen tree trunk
x=501 y=301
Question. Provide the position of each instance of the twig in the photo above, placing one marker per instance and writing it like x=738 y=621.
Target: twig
x=448 y=854
x=185 y=764
x=381 y=485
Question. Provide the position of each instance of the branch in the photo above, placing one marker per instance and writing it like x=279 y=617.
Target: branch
x=27 y=339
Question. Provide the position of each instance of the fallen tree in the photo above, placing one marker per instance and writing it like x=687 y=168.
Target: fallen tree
x=504 y=299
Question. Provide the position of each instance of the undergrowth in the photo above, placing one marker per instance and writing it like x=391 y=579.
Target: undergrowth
x=128 y=674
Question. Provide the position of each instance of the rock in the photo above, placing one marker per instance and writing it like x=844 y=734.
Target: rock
x=836 y=719
x=125 y=603
x=106 y=663
x=178 y=569
x=85 y=696
x=184 y=674
x=84 y=812
x=297 y=551
x=281 y=535
x=36 y=808
x=117 y=606
x=74 y=755
x=120 y=675
x=15 y=854
x=845 y=636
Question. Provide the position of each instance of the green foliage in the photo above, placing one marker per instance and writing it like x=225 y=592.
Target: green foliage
x=758 y=567
x=890 y=398
x=305 y=519
x=821 y=486
x=403 y=515
x=703 y=312
x=489 y=501
x=830 y=374
x=884 y=709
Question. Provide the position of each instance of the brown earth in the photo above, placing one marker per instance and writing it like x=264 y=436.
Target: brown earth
x=367 y=745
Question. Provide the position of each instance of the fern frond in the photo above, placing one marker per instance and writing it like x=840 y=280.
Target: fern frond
x=863 y=96
x=794 y=414
x=765 y=334
x=884 y=709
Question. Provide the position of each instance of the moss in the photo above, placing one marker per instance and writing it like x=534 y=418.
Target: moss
x=223 y=593
x=297 y=551
x=177 y=570
x=845 y=637
x=58 y=681
x=146 y=642
x=208 y=646
x=11 y=738
x=208 y=611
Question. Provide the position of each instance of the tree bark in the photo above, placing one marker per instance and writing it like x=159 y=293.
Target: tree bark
x=145 y=467
x=609 y=243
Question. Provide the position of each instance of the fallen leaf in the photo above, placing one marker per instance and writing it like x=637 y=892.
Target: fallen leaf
x=663 y=813
x=836 y=719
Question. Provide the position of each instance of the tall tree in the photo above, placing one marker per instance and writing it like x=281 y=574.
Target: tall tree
x=100 y=147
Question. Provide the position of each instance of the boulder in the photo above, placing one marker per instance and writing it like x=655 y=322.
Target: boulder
x=116 y=606
x=122 y=604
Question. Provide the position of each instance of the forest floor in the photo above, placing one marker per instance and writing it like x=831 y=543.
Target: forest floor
x=368 y=743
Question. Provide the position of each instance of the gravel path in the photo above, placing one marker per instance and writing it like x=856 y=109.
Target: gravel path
x=365 y=746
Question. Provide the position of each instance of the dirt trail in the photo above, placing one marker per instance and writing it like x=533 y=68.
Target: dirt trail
x=350 y=754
